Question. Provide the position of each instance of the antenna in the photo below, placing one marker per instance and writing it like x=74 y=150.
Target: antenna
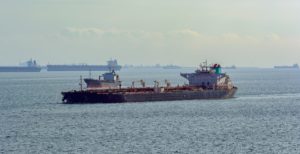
x=156 y=83
x=205 y=63
x=80 y=83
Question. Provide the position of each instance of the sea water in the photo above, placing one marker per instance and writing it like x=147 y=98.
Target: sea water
x=264 y=116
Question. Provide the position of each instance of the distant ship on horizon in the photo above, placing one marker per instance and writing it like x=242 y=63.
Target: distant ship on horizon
x=229 y=67
x=111 y=65
x=294 y=66
x=28 y=66
x=171 y=66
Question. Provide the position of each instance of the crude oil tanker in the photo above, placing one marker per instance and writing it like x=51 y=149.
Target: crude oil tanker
x=205 y=83
x=29 y=66
x=84 y=67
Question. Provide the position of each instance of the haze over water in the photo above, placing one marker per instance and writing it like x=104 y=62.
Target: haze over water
x=262 y=118
x=150 y=32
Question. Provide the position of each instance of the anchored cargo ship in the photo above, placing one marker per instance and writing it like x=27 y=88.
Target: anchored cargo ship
x=204 y=83
x=84 y=67
x=229 y=67
x=29 y=66
x=295 y=66
x=171 y=67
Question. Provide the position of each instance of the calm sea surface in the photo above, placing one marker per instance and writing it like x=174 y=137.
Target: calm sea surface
x=263 y=118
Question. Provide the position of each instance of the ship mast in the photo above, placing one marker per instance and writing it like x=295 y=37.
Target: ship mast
x=90 y=73
x=80 y=83
x=203 y=66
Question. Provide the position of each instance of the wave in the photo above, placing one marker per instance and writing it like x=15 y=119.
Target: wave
x=270 y=96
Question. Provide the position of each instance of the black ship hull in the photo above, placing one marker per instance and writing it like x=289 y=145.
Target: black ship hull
x=95 y=97
x=19 y=69
x=81 y=68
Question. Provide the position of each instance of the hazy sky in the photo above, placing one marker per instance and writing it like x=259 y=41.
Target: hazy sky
x=184 y=32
